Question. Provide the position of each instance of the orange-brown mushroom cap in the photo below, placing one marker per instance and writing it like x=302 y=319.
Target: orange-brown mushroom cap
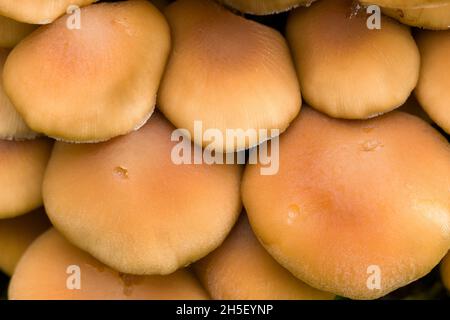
x=347 y=70
x=445 y=271
x=46 y=268
x=264 y=7
x=129 y=205
x=358 y=208
x=433 y=89
x=93 y=83
x=17 y=234
x=227 y=72
x=11 y=31
x=38 y=11
x=241 y=269
x=434 y=18
x=21 y=173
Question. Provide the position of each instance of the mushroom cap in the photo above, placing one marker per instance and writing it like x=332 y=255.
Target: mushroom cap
x=340 y=72
x=11 y=31
x=352 y=197
x=241 y=269
x=404 y=3
x=434 y=18
x=12 y=126
x=445 y=271
x=265 y=7
x=17 y=234
x=125 y=201
x=91 y=84
x=433 y=88
x=43 y=273
x=38 y=11
x=21 y=173
x=227 y=72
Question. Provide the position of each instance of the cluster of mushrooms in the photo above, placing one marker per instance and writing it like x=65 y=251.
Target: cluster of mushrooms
x=88 y=186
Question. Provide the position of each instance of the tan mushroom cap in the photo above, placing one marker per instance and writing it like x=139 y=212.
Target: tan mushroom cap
x=434 y=18
x=405 y=3
x=240 y=269
x=21 y=173
x=11 y=32
x=347 y=70
x=433 y=89
x=17 y=234
x=354 y=199
x=12 y=126
x=264 y=7
x=128 y=204
x=445 y=271
x=38 y=11
x=93 y=83
x=228 y=73
x=43 y=273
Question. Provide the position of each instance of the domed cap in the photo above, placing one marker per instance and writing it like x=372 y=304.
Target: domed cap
x=263 y=7
x=434 y=18
x=49 y=270
x=356 y=208
x=340 y=72
x=93 y=83
x=228 y=73
x=241 y=269
x=11 y=32
x=128 y=204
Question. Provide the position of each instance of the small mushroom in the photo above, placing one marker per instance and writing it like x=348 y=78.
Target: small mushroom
x=347 y=70
x=93 y=83
x=433 y=89
x=241 y=269
x=228 y=73
x=11 y=32
x=445 y=271
x=38 y=11
x=129 y=204
x=21 y=173
x=53 y=269
x=265 y=7
x=434 y=18
x=358 y=208
x=17 y=234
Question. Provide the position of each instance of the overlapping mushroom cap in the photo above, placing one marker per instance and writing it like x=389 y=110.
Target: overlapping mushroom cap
x=241 y=269
x=433 y=89
x=11 y=32
x=263 y=7
x=347 y=70
x=228 y=73
x=93 y=83
x=434 y=18
x=128 y=204
x=46 y=269
x=358 y=208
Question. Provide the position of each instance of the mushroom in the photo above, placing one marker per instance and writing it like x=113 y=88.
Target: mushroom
x=264 y=7
x=54 y=269
x=241 y=269
x=433 y=89
x=356 y=208
x=93 y=83
x=404 y=3
x=130 y=205
x=434 y=18
x=347 y=70
x=21 y=173
x=12 y=126
x=445 y=271
x=17 y=234
x=11 y=32
x=228 y=73
x=38 y=11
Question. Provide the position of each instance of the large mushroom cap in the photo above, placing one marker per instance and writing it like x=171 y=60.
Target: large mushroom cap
x=21 y=173
x=38 y=11
x=264 y=7
x=445 y=271
x=44 y=272
x=347 y=70
x=11 y=32
x=227 y=72
x=355 y=202
x=92 y=83
x=404 y=3
x=433 y=89
x=128 y=204
x=17 y=234
x=434 y=18
x=241 y=269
